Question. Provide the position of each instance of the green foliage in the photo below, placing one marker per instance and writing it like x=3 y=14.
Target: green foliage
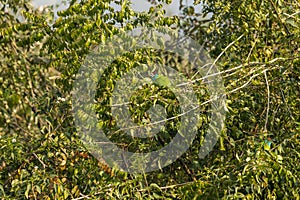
x=256 y=45
x=258 y=52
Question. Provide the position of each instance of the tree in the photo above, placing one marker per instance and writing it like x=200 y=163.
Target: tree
x=257 y=47
x=255 y=44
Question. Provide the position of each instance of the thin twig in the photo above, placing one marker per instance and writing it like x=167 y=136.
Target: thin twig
x=268 y=106
x=278 y=15
x=232 y=69
x=247 y=83
x=285 y=102
x=217 y=59
x=219 y=56
x=161 y=121
x=44 y=166
x=253 y=71
x=171 y=186
x=82 y=197
x=292 y=15
x=248 y=57
x=297 y=3
x=85 y=196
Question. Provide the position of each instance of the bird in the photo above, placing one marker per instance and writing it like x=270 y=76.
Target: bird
x=267 y=144
x=161 y=80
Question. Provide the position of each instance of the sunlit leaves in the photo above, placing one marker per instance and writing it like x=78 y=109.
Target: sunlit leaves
x=41 y=156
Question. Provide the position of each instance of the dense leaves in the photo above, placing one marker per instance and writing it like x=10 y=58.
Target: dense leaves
x=255 y=43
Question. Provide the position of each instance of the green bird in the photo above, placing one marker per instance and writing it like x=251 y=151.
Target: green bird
x=267 y=144
x=161 y=80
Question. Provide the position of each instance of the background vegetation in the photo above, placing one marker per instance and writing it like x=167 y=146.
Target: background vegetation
x=256 y=44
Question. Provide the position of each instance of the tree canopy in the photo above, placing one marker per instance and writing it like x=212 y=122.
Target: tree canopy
x=255 y=46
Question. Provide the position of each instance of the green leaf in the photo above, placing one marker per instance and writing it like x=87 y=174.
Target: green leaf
x=27 y=190
x=2 y=190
